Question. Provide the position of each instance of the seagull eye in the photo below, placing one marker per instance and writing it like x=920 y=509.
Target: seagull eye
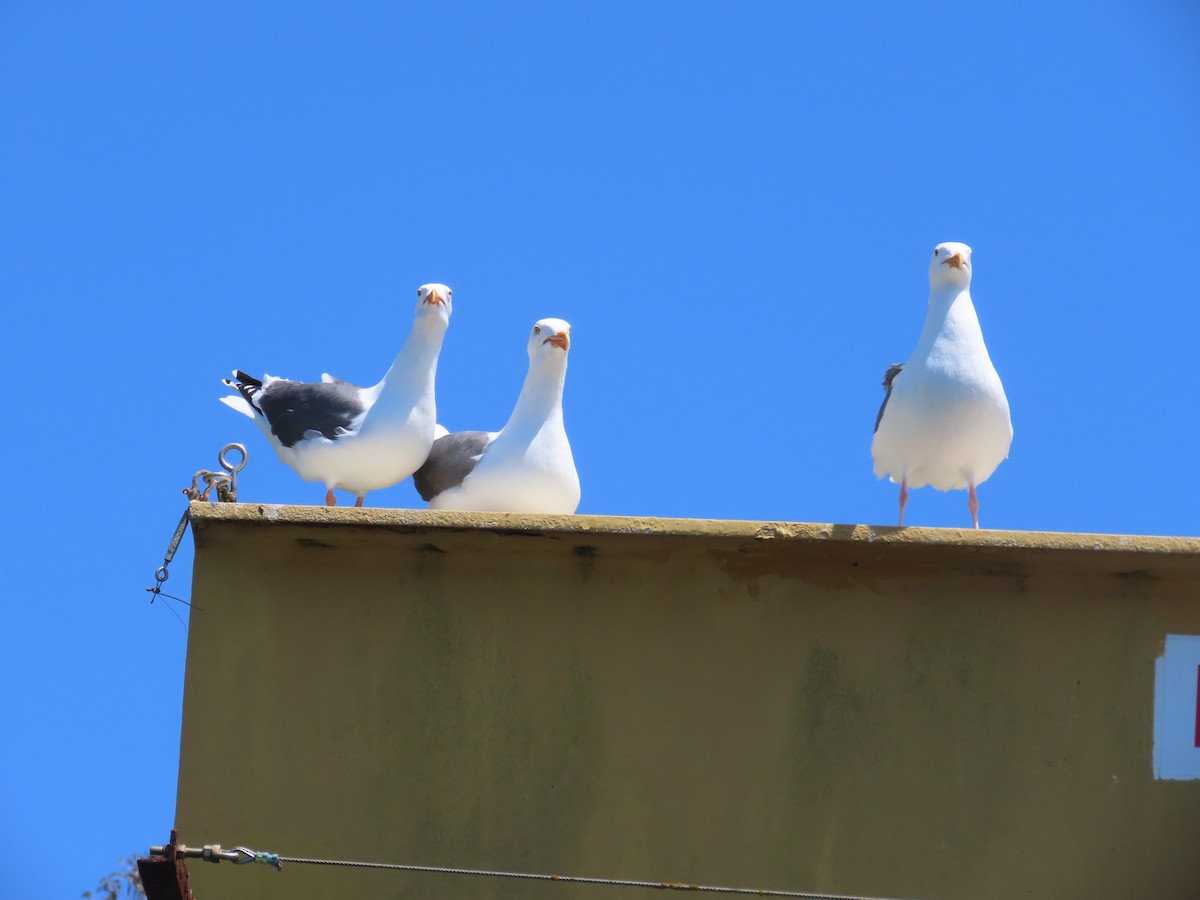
x=537 y=329
x=935 y=251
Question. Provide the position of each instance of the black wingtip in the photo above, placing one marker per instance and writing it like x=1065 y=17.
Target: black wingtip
x=246 y=385
x=888 y=377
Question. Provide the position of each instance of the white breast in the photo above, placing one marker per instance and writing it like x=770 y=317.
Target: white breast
x=520 y=472
x=947 y=422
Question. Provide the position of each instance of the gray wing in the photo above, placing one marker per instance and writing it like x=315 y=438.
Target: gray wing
x=451 y=459
x=888 y=377
x=294 y=408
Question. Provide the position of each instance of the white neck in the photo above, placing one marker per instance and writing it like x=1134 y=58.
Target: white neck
x=541 y=395
x=416 y=363
x=951 y=317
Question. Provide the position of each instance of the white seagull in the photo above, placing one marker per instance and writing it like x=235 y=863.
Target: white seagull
x=944 y=421
x=348 y=437
x=526 y=466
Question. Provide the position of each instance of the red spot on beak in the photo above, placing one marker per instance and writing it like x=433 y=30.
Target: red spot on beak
x=434 y=297
x=559 y=340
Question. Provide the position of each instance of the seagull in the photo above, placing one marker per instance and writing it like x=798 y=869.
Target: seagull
x=944 y=419
x=526 y=466
x=348 y=437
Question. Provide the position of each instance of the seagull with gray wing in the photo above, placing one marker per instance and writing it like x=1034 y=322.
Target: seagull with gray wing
x=944 y=420
x=527 y=466
x=353 y=438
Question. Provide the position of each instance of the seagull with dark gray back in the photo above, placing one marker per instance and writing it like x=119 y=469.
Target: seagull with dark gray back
x=527 y=465
x=353 y=438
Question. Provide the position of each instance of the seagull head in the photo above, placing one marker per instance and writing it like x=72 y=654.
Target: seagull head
x=433 y=302
x=950 y=265
x=549 y=340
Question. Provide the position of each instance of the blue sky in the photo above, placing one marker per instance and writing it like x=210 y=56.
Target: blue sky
x=733 y=204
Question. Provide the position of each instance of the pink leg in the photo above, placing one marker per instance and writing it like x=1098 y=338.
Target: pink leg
x=973 y=506
x=330 y=500
x=903 y=497
x=358 y=502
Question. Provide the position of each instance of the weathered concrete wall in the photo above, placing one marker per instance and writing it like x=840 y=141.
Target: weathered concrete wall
x=909 y=713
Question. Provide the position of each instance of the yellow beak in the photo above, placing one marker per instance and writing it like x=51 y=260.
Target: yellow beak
x=559 y=339
x=955 y=262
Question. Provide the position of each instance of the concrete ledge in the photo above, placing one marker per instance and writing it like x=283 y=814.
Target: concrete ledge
x=424 y=519
x=1127 y=556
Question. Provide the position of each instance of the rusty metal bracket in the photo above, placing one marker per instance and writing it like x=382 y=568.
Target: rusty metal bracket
x=164 y=874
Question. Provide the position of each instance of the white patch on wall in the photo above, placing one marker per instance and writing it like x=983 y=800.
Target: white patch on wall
x=1177 y=709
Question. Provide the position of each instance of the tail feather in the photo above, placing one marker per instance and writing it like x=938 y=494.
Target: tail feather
x=240 y=404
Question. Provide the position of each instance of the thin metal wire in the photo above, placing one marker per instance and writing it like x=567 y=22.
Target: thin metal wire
x=159 y=592
x=275 y=859
x=172 y=609
x=242 y=855
x=226 y=487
